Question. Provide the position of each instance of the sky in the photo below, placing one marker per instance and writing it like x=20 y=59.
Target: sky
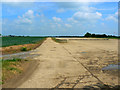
x=59 y=18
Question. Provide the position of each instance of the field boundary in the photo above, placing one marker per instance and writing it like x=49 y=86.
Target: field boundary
x=18 y=48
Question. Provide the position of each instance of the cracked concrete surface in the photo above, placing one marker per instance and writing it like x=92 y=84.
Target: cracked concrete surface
x=66 y=66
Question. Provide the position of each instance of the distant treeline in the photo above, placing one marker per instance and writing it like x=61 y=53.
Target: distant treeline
x=91 y=35
x=100 y=35
x=86 y=35
x=21 y=36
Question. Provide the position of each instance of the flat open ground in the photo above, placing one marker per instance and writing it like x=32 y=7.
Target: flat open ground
x=75 y=64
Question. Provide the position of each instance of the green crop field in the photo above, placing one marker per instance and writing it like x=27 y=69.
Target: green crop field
x=10 y=41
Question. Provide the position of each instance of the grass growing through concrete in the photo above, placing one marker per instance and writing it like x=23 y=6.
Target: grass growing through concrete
x=10 y=68
x=59 y=40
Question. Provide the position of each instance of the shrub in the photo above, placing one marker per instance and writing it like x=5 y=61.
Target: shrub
x=23 y=49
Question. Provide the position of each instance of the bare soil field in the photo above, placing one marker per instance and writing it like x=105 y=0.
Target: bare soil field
x=75 y=64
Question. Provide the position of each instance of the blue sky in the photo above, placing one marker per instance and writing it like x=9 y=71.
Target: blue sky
x=59 y=18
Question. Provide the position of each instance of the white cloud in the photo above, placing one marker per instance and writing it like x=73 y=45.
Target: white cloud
x=40 y=15
x=82 y=16
x=61 y=10
x=41 y=18
x=56 y=19
x=86 y=8
x=28 y=14
x=26 y=18
x=112 y=18
x=72 y=20
x=99 y=14
x=116 y=13
x=84 y=19
x=68 y=25
x=85 y=13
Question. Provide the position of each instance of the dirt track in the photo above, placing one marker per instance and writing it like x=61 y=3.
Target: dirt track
x=75 y=64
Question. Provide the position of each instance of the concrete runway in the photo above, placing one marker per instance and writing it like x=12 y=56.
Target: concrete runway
x=75 y=64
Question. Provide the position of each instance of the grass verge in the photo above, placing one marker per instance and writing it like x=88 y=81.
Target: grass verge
x=20 y=48
x=17 y=71
x=11 y=68
x=59 y=40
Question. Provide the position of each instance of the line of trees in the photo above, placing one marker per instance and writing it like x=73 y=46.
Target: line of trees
x=86 y=35
x=97 y=35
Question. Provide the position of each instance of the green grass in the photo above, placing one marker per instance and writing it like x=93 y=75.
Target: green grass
x=7 y=63
x=113 y=38
x=10 y=41
x=1 y=82
x=59 y=40
x=10 y=67
x=23 y=49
